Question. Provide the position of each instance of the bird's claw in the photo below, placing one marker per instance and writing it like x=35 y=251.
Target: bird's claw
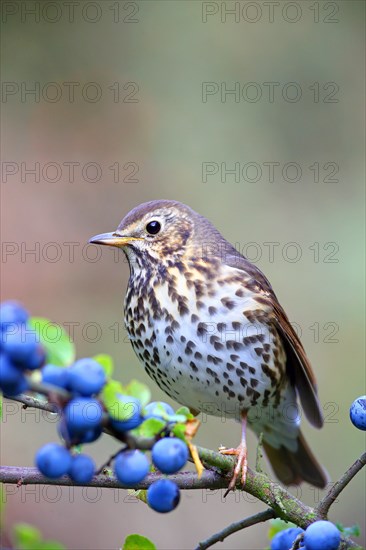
x=241 y=465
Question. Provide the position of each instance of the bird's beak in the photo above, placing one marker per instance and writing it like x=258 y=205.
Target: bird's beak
x=113 y=239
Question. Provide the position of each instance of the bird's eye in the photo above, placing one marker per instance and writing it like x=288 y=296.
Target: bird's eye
x=153 y=227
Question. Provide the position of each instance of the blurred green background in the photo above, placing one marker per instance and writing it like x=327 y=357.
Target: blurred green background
x=147 y=61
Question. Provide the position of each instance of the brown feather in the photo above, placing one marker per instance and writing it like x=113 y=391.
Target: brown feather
x=293 y=468
x=298 y=365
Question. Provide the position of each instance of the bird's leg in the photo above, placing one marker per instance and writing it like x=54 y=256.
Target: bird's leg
x=241 y=465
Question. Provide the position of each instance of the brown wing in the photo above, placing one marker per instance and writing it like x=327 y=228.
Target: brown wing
x=298 y=365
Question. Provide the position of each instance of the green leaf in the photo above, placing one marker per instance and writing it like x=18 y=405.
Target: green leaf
x=150 y=427
x=141 y=494
x=110 y=397
x=59 y=349
x=277 y=525
x=179 y=430
x=176 y=418
x=26 y=536
x=160 y=411
x=140 y=391
x=117 y=401
x=115 y=398
x=106 y=362
x=138 y=542
x=353 y=531
x=185 y=412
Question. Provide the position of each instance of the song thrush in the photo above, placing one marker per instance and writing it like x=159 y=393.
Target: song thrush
x=208 y=328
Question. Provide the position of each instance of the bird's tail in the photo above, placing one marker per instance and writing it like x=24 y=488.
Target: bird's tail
x=294 y=466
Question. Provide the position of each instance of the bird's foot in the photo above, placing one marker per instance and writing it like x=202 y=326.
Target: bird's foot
x=241 y=465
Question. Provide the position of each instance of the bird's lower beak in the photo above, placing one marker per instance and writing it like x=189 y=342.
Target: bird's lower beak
x=112 y=239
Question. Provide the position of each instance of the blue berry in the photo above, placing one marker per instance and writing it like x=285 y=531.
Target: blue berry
x=83 y=414
x=131 y=467
x=358 y=413
x=91 y=435
x=57 y=376
x=9 y=374
x=23 y=348
x=163 y=495
x=285 y=539
x=11 y=313
x=169 y=454
x=86 y=377
x=37 y=359
x=130 y=405
x=53 y=460
x=82 y=468
x=158 y=409
x=322 y=535
x=77 y=438
x=12 y=380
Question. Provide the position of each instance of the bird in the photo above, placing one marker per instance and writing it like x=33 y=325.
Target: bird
x=208 y=328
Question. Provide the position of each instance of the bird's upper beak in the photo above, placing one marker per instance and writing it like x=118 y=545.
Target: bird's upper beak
x=113 y=239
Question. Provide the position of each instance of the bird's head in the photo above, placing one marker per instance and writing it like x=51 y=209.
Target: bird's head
x=157 y=232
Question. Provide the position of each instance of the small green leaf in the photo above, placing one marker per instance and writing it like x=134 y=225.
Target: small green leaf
x=138 y=542
x=115 y=398
x=117 y=401
x=150 y=427
x=353 y=531
x=140 y=391
x=107 y=363
x=179 y=430
x=26 y=536
x=110 y=397
x=141 y=494
x=59 y=349
x=185 y=412
x=160 y=412
x=176 y=418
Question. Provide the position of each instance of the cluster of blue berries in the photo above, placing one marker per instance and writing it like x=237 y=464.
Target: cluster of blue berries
x=320 y=535
x=82 y=420
x=54 y=460
x=84 y=415
x=20 y=349
x=82 y=423
x=168 y=455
